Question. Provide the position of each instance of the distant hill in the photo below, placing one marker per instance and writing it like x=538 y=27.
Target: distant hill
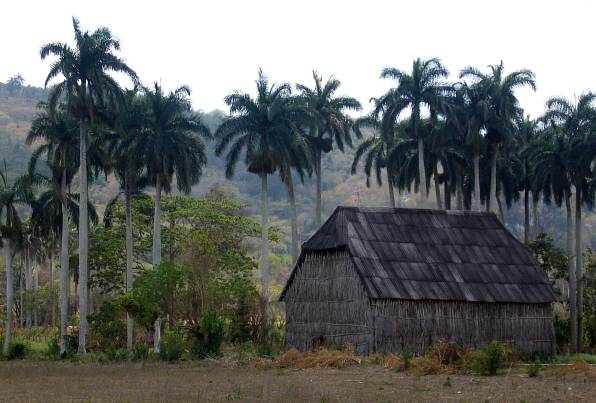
x=18 y=108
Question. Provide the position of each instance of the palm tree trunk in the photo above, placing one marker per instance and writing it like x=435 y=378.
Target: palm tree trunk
x=21 y=296
x=477 y=201
x=28 y=288
x=526 y=216
x=293 y=220
x=264 y=246
x=157 y=252
x=319 y=202
x=536 y=223
x=7 y=247
x=129 y=251
x=459 y=191
x=571 y=272
x=579 y=268
x=64 y=269
x=52 y=283
x=390 y=188
x=421 y=171
x=446 y=194
x=492 y=201
x=83 y=237
x=501 y=211
x=437 y=189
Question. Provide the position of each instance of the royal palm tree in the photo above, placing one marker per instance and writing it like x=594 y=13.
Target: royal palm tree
x=57 y=138
x=525 y=134
x=422 y=88
x=127 y=122
x=86 y=83
x=375 y=150
x=12 y=195
x=171 y=146
x=576 y=121
x=550 y=157
x=501 y=109
x=331 y=125
x=263 y=128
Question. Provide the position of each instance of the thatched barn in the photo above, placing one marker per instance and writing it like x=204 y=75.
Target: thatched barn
x=383 y=279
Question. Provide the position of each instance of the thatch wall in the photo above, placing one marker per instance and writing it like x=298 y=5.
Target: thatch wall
x=327 y=305
x=419 y=324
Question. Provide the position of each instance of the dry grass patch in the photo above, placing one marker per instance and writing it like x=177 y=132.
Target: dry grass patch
x=321 y=358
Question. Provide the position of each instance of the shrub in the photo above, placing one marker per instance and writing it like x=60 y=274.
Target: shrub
x=534 y=368
x=406 y=357
x=172 y=346
x=140 y=351
x=211 y=335
x=54 y=347
x=107 y=327
x=17 y=350
x=489 y=358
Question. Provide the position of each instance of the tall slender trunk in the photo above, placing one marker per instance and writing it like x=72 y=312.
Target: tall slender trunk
x=446 y=193
x=571 y=272
x=579 y=268
x=157 y=252
x=35 y=272
x=21 y=295
x=501 y=210
x=293 y=220
x=492 y=201
x=526 y=216
x=477 y=201
x=459 y=191
x=28 y=288
x=421 y=170
x=7 y=248
x=319 y=202
x=535 y=223
x=64 y=269
x=437 y=189
x=129 y=251
x=264 y=246
x=390 y=189
x=53 y=282
x=83 y=237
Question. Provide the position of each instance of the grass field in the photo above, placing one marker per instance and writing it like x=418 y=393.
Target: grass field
x=46 y=381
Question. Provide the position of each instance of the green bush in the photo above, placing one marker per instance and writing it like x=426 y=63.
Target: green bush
x=534 y=368
x=489 y=358
x=140 y=351
x=172 y=346
x=54 y=347
x=406 y=356
x=17 y=350
x=107 y=327
x=212 y=332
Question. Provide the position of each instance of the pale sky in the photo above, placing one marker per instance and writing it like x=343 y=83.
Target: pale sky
x=217 y=46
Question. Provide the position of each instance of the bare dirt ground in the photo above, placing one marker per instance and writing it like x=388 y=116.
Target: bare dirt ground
x=43 y=381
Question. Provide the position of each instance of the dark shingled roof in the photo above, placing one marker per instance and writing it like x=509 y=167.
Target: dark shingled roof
x=418 y=254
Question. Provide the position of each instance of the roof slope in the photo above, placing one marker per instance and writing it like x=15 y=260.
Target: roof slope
x=418 y=254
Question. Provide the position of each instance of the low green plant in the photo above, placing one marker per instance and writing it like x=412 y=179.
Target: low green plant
x=489 y=358
x=54 y=347
x=140 y=351
x=173 y=345
x=406 y=356
x=534 y=368
x=211 y=335
x=17 y=350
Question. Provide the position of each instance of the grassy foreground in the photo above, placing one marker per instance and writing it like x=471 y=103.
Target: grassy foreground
x=220 y=380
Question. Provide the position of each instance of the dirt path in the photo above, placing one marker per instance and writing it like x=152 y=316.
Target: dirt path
x=65 y=382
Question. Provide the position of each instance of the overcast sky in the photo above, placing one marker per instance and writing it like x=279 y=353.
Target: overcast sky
x=217 y=46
